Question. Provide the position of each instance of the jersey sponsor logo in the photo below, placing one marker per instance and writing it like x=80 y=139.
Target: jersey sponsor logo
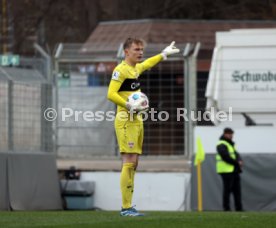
x=135 y=85
x=115 y=75
x=130 y=84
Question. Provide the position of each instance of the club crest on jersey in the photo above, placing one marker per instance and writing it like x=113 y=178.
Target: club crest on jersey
x=131 y=144
x=115 y=75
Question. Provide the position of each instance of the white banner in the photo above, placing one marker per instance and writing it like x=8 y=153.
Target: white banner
x=243 y=74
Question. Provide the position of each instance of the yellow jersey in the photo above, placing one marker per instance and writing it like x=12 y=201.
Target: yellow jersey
x=125 y=80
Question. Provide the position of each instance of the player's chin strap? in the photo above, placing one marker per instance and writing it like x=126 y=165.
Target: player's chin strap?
x=170 y=50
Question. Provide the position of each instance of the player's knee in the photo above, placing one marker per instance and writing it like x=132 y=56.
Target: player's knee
x=129 y=158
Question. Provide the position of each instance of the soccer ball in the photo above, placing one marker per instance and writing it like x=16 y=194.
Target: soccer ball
x=138 y=101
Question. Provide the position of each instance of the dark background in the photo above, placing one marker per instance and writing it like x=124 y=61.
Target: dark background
x=49 y=22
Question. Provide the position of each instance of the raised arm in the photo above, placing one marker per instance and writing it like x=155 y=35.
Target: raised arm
x=151 y=62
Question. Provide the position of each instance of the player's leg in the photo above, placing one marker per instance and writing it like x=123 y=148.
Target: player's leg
x=130 y=161
x=128 y=138
x=138 y=147
x=127 y=178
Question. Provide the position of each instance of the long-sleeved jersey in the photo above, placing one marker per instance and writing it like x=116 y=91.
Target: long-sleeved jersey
x=125 y=80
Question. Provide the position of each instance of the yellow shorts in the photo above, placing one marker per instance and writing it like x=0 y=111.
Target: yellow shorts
x=130 y=135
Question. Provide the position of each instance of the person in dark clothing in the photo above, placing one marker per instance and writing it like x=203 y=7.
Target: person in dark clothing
x=229 y=166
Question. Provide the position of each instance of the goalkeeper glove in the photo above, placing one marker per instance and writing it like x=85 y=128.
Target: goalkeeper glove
x=170 y=50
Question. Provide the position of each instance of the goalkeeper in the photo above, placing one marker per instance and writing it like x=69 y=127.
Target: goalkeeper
x=130 y=133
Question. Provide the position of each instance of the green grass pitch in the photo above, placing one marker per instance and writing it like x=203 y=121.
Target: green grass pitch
x=96 y=219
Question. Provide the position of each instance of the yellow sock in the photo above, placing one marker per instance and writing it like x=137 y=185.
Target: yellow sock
x=127 y=176
x=132 y=180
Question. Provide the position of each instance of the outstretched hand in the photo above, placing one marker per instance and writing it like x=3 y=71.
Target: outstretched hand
x=170 y=50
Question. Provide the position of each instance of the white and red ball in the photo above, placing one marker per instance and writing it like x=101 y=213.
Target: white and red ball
x=138 y=101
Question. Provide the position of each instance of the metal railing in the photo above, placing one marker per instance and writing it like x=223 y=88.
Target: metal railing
x=24 y=95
